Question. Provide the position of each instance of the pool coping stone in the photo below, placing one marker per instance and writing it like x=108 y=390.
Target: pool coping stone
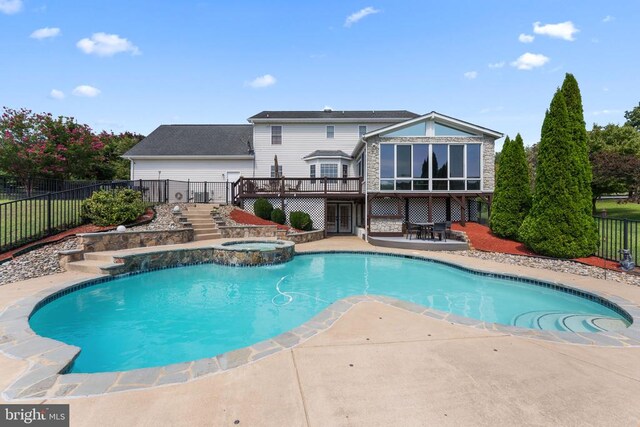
x=49 y=359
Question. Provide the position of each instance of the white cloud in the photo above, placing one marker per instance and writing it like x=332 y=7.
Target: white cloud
x=526 y=38
x=605 y=112
x=103 y=44
x=470 y=75
x=497 y=64
x=608 y=18
x=10 y=7
x=528 y=61
x=86 y=91
x=56 y=94
x=262 y=81
x=562 y=30
x=357 y=16
x=45 y=33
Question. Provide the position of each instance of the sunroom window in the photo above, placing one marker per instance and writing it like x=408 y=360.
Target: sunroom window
x=430 y=167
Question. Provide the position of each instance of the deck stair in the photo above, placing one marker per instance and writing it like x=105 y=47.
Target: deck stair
x=201 y=218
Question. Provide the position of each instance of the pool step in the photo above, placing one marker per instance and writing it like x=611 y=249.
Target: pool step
x=98 y=256
x=571 y=322
x=90 y=266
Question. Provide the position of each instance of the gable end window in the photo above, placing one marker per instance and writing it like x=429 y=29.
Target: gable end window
x=331 y=131
x=276 y=135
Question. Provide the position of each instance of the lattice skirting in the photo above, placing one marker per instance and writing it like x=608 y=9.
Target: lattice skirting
x=418 y=209
x=313 y=206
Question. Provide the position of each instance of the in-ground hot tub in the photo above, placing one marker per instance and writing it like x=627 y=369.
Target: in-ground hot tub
x=253 y=252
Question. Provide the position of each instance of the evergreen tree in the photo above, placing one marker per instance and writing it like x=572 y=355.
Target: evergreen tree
x=556 y=225
x=512 y=196
x=580 y=164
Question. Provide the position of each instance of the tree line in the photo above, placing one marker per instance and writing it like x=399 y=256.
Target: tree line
x=34 y=145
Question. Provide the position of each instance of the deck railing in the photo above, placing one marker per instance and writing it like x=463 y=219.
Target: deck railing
x=252 y=187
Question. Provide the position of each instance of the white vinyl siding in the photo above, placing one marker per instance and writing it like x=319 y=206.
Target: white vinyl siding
x=299 y=140
x=194 y=170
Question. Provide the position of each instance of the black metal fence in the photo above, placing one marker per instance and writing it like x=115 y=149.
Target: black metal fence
x=616 y=235
x=32 y=218
x=12 y=188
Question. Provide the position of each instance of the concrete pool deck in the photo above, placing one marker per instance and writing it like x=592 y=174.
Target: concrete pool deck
x=407 y=369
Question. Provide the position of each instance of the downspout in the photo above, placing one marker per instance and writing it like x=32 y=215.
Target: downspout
x=365 y=172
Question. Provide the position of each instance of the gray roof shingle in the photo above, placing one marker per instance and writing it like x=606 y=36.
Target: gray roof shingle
x=192 y=140
x=335 y=114
x=327 y=153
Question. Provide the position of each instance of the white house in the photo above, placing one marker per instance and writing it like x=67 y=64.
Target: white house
x=372 y=170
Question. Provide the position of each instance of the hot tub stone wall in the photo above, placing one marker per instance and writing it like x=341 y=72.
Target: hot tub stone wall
x=217 y=254
x=251 y=257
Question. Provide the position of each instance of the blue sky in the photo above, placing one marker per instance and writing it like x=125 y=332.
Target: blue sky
x=133 y=65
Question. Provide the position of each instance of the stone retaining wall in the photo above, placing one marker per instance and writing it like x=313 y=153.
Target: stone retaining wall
x=305 y=236
x=113 y=241
x=247 y=231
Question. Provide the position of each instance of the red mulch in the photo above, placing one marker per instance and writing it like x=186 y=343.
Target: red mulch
x=482 y=239
x=243 y=217
x=87 y=228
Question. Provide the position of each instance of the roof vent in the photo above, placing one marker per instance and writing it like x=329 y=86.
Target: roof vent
x=327 y=109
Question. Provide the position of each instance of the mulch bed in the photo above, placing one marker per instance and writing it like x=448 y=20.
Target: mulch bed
x=243 y=217
x=87 y=228
x=482 y=239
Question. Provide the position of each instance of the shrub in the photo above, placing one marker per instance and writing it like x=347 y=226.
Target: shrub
x=262 y=208
x=278 y=216
x=512 y=196
x=557 y=225
x=301 y=220
x=117 y=207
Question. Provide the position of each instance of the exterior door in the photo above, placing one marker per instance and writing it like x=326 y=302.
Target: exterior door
x=344 y=218
x=339 y=218
x=332 y=218
x=233 y=176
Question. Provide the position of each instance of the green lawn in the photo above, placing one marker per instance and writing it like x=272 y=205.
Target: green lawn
x=612 y=235
x=28 y=219
x=619 y=210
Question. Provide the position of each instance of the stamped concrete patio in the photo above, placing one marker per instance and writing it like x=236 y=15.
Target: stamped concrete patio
x=383 y=365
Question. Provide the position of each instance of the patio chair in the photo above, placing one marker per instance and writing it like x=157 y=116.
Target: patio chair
x=439 y=228
x=413 y=229
x=296 y=187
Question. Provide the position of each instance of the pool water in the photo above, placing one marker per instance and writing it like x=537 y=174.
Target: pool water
x=255 y=246
x=188 y=313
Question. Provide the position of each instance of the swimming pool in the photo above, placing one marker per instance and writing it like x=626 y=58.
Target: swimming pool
x=187 y=313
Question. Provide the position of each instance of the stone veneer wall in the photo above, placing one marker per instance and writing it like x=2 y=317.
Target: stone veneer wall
x=385 y=225
x=247 y=231
x=109 y=241
x=305 y=236
x=488 y=156
x=244 y=231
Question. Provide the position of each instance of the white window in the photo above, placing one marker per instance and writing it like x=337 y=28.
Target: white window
x=330 y=170
x=276 y=135
x=362 y=129
x=331 y=131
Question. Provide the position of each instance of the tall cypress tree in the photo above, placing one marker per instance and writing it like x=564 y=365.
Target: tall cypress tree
x=512 y=196
x=581 y=165
x=556 y=225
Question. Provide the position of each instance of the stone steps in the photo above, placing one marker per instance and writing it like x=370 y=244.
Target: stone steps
x=201 y=219
x=90 y=266
x=207 y=236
